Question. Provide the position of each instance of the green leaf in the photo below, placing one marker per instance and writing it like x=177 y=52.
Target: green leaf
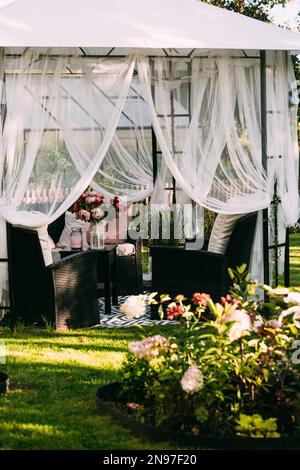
x=266 y=374
x=231 y=274
x=241 y=269
x=161 y=312
x=293 y=328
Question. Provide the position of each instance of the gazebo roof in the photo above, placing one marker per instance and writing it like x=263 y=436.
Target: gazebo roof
x=150 y=24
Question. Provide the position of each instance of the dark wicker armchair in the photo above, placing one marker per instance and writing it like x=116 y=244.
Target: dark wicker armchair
x=129 y=268
x=179 y=270
x=64 y=293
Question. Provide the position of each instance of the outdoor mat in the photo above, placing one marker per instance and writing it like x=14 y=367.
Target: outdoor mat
x=118 y=320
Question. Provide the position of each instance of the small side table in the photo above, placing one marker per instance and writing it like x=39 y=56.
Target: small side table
x=106 y=272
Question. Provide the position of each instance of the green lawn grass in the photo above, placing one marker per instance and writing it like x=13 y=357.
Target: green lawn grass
x=295 y=259
x=54 y=379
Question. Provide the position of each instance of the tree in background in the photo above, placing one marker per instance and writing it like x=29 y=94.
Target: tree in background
x=259 y=9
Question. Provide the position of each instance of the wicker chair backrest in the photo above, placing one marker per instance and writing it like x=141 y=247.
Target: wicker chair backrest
x=30 y=278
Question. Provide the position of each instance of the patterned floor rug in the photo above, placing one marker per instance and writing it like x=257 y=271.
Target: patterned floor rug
x=118 y=320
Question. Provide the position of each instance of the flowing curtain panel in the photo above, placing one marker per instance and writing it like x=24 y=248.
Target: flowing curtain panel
x=283 y=151
x=71 y=119
x=219 y=165
x=52 y=142
x=127 y=169
x=220 y=159
x=53 y=145
x=170 y=91
x=4 y=297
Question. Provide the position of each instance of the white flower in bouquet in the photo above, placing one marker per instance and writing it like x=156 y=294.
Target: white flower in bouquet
x=192 y=380
x=134 y=306
x=293 y=298
x=97 y=213
x=241 y=326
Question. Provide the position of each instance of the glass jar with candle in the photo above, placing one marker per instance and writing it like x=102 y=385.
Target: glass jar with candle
x=76 y=239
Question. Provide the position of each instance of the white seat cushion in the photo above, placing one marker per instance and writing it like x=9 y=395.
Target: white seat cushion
x=125 y=249
x=47 y=244
x=221 y=232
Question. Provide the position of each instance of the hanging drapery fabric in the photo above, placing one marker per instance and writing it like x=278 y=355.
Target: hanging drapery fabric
x=52 y=147
x=283 y=153
x=220 y=160
x=70 y=120
x=53 y=144
x=171 y=100
x=220 y=163
x=4 y=297
x=127 y=169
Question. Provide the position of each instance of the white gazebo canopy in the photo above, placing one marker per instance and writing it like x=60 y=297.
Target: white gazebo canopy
x=185 y=24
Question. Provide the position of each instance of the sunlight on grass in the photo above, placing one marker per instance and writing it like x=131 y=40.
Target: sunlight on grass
x=54 y=379
x=72 y=357
x=29 y=429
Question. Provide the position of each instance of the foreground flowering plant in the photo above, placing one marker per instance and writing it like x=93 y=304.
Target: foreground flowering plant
x=92 y=206
x=230 y=368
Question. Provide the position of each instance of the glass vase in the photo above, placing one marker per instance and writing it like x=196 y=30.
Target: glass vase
x=97 y=236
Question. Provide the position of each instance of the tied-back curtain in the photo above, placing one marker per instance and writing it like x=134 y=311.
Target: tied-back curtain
x=219 y=165
x=127 y=169
x=283 y=150
x=53 y=142
x=4 y=295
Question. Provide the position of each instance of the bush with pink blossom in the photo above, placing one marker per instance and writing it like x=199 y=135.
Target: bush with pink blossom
x=226 y=363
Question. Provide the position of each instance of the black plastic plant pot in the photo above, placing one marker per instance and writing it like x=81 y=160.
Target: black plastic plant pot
x=4 y=383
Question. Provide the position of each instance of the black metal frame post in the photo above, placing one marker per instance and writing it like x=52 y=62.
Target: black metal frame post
x=7 y=260
x=13 y=319
x=153 y=136
x=287 y=275
x=287 y=279
x=264 y=146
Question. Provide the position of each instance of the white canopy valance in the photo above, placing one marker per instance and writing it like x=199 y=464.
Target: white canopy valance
x=185 y=24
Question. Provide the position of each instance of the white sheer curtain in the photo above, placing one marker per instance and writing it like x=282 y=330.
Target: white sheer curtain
x=71 y=119
x=283 y=151
x=220 y=165
x=220 y=161
x=53 y=144
x=4 y=297
x=126 y=166
x=283 y=148
x=127 y=169
x=52 y=147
